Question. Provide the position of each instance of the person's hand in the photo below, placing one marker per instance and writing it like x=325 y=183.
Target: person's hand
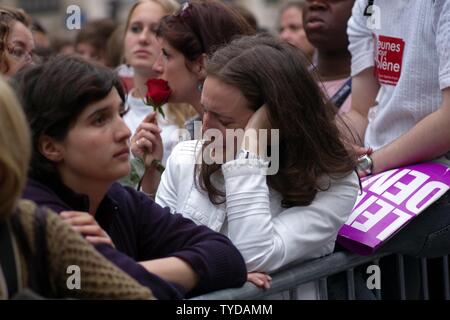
x=259 y=279
x=362 y=151
x=147 y=142
x=85 y=224
x=259 y=120
x=251 y=141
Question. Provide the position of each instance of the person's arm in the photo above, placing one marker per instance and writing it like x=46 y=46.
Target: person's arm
x=84 y=223
x=216 y=262
x=44 y=196
x=147 y=145
x=168 y=193
x=99 y=278
x=427 y=140
x=364 y=84
x=364 y=92
x=173 y=270
x=268 y=243
x=430 y=137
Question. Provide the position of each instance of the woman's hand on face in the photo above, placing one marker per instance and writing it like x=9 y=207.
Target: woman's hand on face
x=260 y=279
x=259 y=120
x=147 y=142
x=362 y=151
x=85 y=224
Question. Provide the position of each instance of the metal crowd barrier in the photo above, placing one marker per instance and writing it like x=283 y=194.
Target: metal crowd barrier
x=297 y=273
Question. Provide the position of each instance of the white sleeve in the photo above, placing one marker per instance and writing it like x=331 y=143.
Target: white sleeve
x=178 y=176
x=170 y=139
x=268 y=243
x=442 y=27
x=166 y=196
x=362 y=46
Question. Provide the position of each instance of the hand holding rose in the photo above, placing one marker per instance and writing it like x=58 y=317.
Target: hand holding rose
x=158 y=93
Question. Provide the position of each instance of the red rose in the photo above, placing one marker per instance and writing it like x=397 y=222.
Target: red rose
x=158 y=93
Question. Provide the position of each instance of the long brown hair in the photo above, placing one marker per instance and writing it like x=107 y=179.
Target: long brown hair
x=271 y=72
x=201 y=27
x=169 y=6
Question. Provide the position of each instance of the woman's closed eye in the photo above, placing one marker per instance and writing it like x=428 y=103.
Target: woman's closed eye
x=165 y=54
x=225 y=123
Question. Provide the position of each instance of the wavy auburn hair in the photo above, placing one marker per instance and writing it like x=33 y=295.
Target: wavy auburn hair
x=271 y=72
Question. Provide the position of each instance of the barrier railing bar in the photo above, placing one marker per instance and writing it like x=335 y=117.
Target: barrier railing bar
x=424 y=276
x=351 y=284
x=377 y=292
x=323 y=289
x=295 y=274
x=293 y=294
x=446 y=277
x=401 y=276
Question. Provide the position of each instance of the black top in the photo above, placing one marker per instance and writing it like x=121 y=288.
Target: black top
x=142 y=230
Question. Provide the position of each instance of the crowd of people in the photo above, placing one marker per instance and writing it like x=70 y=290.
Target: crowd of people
x=160 y=203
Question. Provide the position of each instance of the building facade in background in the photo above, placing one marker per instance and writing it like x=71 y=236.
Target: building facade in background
x=52 y=13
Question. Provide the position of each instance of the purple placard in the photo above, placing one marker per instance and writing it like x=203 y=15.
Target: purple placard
x=389 y=201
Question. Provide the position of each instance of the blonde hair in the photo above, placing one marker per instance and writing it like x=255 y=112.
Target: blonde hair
x=179 y=113
x=15 y=149
x=169 y=7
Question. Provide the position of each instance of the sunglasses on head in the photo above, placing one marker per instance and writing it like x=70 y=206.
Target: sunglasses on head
x=185 y=16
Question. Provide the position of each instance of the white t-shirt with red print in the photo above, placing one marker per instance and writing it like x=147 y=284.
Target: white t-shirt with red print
x=411 y=55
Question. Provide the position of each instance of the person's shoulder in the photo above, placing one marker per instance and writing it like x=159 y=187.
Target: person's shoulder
x=184 y=157
x=120 y=193
x=43 y=195
x=358 y=9
x=350 y=179
x=339 y=185
x=129 y=199
x=441 y=8
x=187 y=149
x=34 y=187
x=26 y=209
x=135 y=204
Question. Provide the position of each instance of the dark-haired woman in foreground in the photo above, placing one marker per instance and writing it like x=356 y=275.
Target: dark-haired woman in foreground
x=80 y=148
x=36 y=247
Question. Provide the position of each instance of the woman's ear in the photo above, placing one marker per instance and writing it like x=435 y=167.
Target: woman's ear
x=51 y=149
x=200 y=66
